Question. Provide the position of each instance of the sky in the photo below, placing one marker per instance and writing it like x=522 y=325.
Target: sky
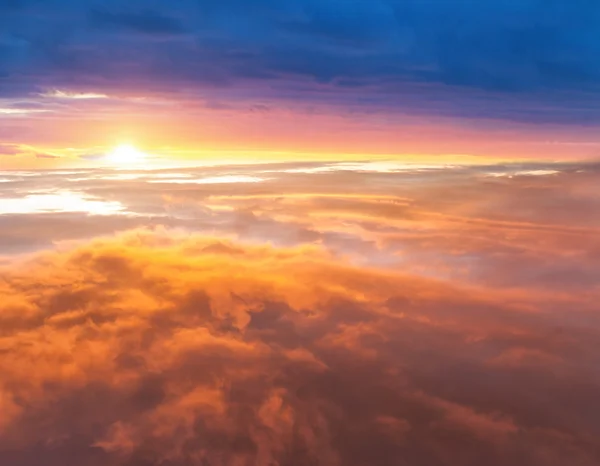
x=299 y=233
x=192 y=81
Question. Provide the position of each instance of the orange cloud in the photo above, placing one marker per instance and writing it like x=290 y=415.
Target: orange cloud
x=163 y=349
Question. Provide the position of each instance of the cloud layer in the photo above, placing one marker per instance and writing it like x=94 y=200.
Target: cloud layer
x=502 y=225
x=158 y=349
x=324 y=314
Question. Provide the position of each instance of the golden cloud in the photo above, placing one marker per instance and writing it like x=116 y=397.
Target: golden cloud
x=155 y=348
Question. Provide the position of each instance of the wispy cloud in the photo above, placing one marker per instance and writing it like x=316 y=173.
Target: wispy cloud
x=20 y=111
x=224 y=179
x=59 y=201
x=61 y=94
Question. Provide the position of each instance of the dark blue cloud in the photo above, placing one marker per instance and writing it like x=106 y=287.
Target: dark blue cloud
x=147 y=21
x=474 y=56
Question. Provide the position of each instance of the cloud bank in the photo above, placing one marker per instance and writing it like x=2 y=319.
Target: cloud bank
x=158 y=349
x=328 y=314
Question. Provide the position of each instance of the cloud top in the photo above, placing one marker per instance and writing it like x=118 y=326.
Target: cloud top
x=155 y=348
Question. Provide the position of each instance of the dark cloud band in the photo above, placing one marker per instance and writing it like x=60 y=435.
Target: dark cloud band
x=464 y=59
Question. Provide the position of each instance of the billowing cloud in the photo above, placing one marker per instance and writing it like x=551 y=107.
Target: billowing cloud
x=162 y=348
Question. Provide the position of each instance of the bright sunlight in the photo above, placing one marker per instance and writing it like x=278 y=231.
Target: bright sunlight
x=125 y=154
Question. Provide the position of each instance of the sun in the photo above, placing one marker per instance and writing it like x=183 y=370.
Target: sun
x=125 y=154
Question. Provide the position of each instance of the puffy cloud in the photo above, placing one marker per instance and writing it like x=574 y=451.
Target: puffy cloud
x=161 y=348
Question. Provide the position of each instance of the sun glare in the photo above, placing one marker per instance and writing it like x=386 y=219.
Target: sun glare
x=125 y=154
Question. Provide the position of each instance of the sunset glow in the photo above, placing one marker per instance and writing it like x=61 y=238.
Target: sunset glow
x=125 y=155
